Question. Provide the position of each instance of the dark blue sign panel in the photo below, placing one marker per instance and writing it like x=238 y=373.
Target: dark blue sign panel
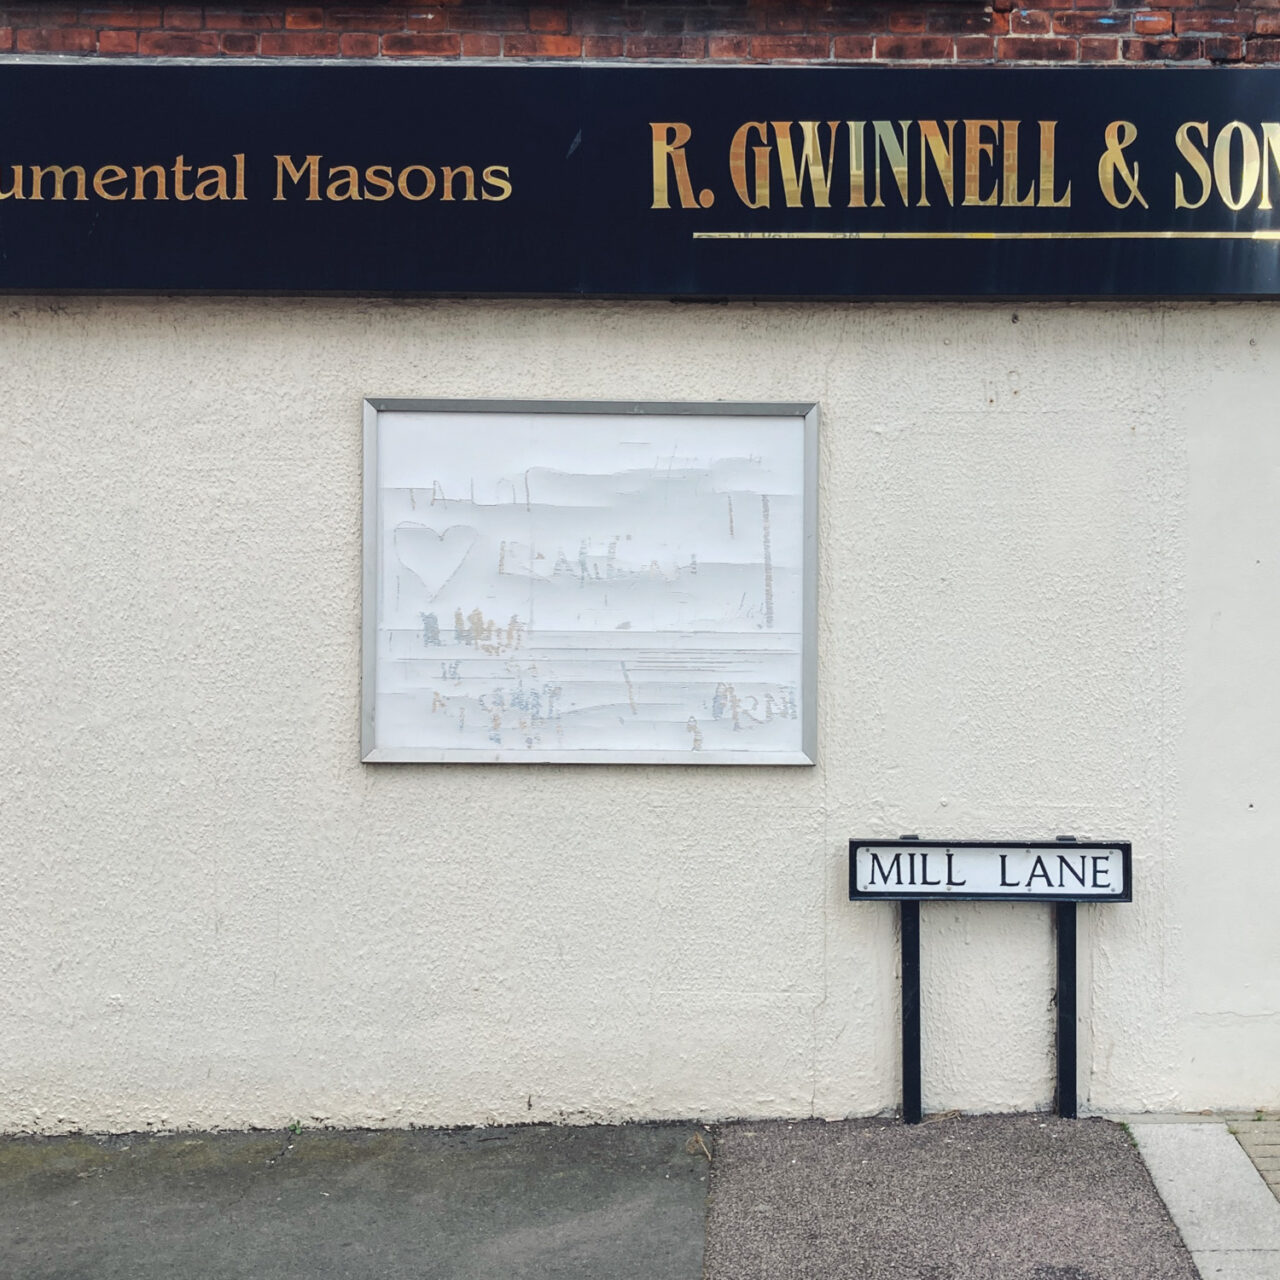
x=640 y=181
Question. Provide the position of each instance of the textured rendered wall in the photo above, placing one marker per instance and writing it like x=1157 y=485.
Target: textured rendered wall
x=1049 y=603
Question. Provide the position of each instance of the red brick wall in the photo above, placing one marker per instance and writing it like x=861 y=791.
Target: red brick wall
x=813 y=31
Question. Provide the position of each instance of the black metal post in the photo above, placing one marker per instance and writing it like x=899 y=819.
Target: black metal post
x=1065 y=921
x=910 y=918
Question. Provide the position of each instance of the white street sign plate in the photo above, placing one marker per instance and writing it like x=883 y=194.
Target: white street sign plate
x=1045 y=871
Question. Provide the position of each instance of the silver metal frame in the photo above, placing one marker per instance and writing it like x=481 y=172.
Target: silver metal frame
x=371 y=753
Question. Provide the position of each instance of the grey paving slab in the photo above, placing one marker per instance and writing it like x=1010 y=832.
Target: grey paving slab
x=1259 y=1135
x=967 y=1198
x=1214 y=1193
x=535 y=1203
x=1237 y=1264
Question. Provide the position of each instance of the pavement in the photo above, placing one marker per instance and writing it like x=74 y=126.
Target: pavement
x=956 y=1198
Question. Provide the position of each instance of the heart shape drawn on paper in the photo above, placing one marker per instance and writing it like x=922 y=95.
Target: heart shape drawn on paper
x=434 y=558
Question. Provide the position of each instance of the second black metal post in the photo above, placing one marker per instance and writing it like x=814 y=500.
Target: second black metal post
x=910 y=918
x=1065 y=922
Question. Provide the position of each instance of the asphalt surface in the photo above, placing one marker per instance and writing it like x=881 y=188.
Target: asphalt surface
x=1001 y=1198
x=996 y=1197
x=529 y=1203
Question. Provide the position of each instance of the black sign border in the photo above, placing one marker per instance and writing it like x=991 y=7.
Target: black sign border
x=1048 y=846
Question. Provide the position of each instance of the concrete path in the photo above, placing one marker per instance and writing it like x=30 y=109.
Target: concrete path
x=1222 y=1206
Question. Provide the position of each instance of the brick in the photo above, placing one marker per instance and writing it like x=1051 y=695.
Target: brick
x=493 y=19
x=240 y=43
x=477 y=44
x=666 y=47
x=299 y=44
x=1224 y=48
x=1213 y=22
x=602 y=46
x=598 y=22
x=444 y=44
x=1099 y=49
x=117 y=42
x=57 y=40
x=1162 y=50
x=358 y=44
x=364 y=18
x=915 y=48
x=667 y=24
x=551 y=21
x=183 y=19
x=1267 y=24
x=790 y=48
x=1086 y=22
x=1262 y=51
x=1152 y=24
x=853 y=48
x=1036 y=49
x=304 y=19
x=975 y=48
x=907 y=22
x=6 y=39
x=530 y=46
x=860 y=22
x=19 y=16
x=240 y=20
x=1030 y=22
x=111 y=16
x=178 y=44
x=715 y=22
x=963 y=21
x=427 y=19
x=785 y=21
x=729 y=47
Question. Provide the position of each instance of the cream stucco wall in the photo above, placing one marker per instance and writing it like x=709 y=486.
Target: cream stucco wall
x=1050 y=602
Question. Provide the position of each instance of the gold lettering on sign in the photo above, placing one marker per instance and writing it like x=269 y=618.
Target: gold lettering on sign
x=428 y=182
x=310 y=167
x=59 y=175
x=933 y=147
x=447 y=175
x=497 y=176
x=753 y=191
x=107 y=176
x=180 y=171
x=1270 y=155
x=669 y=142
x=1249 y=169
x=811 y=162
x=344 y=183
x=1009 y=149
x=976 y=152
x=214 y=185
x=140 y=175
x=1113 y=165
x=857 y=164
x=894 y=149
x=1199 y=165
x=1048 y=158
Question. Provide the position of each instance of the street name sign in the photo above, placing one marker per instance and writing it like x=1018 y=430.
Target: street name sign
x=965 y=870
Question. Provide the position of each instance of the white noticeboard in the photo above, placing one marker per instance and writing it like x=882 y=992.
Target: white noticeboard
x=589 y=583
